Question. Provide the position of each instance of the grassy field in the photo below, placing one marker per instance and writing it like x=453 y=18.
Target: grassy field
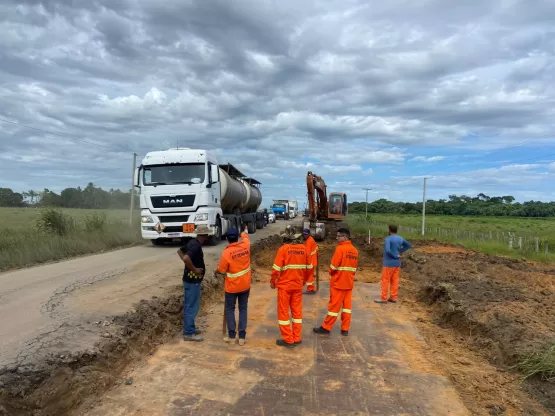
x=486 y=234
x=30 y=236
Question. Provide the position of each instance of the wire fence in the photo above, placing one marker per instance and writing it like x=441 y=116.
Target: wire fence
x=508 y=239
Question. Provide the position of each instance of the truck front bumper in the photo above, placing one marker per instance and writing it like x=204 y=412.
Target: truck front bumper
x=171 y=231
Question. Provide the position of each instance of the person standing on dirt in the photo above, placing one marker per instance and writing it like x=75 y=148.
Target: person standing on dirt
x=235 y=264
x=343 y=267
x=193 y=274
x=394 y=247
x=289 y=274
x=312 y=248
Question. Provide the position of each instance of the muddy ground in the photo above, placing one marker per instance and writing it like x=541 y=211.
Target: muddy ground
x=477 y=313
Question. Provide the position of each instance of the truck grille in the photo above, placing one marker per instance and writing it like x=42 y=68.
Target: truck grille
x=175 y=218
x=172 y=201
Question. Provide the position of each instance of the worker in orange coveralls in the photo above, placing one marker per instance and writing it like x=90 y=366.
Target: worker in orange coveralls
x=343 y=267
x=312 y=248
x=235 y=264
x=289 y=274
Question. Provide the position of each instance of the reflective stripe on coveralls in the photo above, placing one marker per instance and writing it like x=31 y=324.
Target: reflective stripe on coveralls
x=235 y=263
x=343 y=267
x=313 y=248
x=289 y=274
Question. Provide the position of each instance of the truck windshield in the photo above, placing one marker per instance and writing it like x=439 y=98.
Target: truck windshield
x=279 y=206
x=191 y=173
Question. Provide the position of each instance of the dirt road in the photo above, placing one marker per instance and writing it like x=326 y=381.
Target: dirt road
x=66 y=307
x=379 y=369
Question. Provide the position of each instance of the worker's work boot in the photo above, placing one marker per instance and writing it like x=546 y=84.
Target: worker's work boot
x=299 y=342
x=282 y=343
x=392 y=300
x=309 y=292
x=321 y=330
x=193 y=338
x=242 y=341
x=380 y=301
x=345 y=333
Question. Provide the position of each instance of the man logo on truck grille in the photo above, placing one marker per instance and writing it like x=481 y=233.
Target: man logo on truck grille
x=172 y=201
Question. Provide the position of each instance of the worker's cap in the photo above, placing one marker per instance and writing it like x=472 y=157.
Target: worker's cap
x=232 y=232
x=306 y=231
x=202 y=230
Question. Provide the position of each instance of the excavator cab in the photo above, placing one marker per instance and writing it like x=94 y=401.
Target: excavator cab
x=337 y=206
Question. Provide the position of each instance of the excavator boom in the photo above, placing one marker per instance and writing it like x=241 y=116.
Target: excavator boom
x=321 y=209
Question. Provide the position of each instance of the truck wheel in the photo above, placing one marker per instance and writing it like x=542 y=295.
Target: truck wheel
x=216 y=238
x=260 y=224
x=251 y=227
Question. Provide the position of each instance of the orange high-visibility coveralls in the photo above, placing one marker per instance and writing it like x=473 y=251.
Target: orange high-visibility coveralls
x=235 y=263
x=312 y=249
x=343 y=267
x=289 y=274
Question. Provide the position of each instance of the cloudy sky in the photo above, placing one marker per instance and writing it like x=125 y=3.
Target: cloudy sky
x=364 y=93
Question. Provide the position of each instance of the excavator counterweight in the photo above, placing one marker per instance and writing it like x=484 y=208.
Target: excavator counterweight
x=322 y=210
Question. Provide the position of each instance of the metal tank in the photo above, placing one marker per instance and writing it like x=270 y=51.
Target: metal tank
x=233 y=193
x=254 y=198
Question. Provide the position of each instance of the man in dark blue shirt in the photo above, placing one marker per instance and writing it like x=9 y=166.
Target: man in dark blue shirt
x=193 y=274
x=394 y=246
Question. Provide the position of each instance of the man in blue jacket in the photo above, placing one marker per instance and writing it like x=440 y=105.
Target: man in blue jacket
x=394 y=246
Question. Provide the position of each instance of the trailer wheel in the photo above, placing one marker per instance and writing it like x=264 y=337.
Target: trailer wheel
x=251 y=227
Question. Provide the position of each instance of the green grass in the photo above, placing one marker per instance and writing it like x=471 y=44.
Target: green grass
x=486 y=234
x=30 y=236
x=540 y=363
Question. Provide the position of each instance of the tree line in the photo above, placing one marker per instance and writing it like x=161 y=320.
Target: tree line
x=480 y=205
x=90 y=197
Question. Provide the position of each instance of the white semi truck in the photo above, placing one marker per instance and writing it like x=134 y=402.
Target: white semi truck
x=183 y=188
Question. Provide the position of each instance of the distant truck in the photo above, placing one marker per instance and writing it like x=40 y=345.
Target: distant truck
x=183 y=188
x=280 y=207
x=292 y=208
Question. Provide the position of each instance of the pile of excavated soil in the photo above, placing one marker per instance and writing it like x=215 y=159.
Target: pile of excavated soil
x=502 y=307
x=65 y=381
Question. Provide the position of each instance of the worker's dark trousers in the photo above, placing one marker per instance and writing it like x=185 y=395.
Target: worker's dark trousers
x=230 y=302
x=191 y=305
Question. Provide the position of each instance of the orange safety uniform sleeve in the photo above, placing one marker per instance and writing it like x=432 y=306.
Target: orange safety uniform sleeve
x=236 y=264
x=291 y=267
x=344 y=265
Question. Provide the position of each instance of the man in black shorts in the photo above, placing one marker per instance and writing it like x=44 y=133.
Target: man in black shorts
x=193 y=257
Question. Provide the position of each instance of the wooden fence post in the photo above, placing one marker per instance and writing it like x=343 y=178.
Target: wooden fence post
x=537 y=244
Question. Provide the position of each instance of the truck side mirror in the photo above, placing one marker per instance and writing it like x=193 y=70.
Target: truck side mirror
x=136 y=177
x=215 y=173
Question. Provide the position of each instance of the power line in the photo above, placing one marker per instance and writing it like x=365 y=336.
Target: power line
x=56 y=134
x=547 y=136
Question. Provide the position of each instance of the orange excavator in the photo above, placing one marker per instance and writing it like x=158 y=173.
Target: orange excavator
x=321 y=209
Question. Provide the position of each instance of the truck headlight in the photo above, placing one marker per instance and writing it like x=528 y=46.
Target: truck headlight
x=146 y=218
x=201 y=217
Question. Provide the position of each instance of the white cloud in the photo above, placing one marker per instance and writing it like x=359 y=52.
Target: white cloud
x=428 y=159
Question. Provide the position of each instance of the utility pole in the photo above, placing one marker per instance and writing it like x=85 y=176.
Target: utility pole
x=366 y=206
x=424 y=208
x=132 y=203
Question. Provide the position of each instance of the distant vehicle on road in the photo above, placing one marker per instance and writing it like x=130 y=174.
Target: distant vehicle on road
x=272 y=217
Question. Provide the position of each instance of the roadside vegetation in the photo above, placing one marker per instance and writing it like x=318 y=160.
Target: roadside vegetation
x=33 y=236
x=532 y=238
